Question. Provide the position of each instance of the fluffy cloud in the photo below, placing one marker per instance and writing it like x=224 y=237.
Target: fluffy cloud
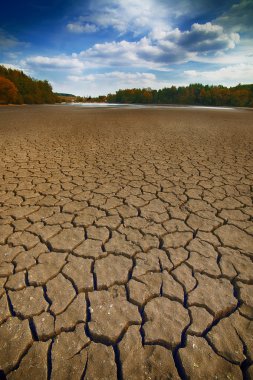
x=162 y=48
x=207 y=37
x=201 y=38
x=229 y=75
x=142 y=53
x=124 y=16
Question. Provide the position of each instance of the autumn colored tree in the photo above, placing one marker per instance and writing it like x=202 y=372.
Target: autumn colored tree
x=30 y=90
x=8 y=91
x=240 y=98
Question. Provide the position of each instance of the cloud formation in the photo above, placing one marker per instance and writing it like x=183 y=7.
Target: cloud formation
x=159 y=50
x=54 y=63
x=124 y=16
x=162 y=48
x=204 y=38
x=140 y=17
x=230 y=75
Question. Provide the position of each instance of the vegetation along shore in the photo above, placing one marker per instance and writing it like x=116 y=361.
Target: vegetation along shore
x=18 y=88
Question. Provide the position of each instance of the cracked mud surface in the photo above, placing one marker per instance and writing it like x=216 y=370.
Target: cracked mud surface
x=126 y=243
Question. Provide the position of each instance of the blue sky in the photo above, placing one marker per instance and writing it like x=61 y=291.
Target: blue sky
x=98 y=46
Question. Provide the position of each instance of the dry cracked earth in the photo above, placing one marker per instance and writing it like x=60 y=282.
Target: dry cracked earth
x=126 y=243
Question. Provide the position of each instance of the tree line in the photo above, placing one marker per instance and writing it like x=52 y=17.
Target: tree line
x=16 y=87
x=194 y=94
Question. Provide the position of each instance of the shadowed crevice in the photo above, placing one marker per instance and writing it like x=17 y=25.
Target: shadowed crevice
x=118 y=362
x=33 y=329
x=49 y=360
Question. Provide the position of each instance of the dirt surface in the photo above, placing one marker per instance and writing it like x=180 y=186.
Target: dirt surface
x=126 y=243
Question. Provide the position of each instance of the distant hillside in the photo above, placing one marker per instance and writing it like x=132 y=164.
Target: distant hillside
x=17 y=87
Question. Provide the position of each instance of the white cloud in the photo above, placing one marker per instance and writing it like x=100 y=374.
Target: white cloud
x=142 y=53
x=141 y=17
x=228 y=75
x=162 y=48
x=53 y=63
x=201 y=38
x=126 y=16
x=132 y=78
x=77 y=27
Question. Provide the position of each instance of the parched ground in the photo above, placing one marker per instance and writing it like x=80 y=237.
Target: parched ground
x=126 y=243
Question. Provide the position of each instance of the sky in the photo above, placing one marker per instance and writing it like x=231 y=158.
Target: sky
x=95 y=47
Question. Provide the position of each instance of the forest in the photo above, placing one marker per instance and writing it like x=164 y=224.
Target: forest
x=194 y=94
x=17 y=88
